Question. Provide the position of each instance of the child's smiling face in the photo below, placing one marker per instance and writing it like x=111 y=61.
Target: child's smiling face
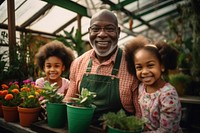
x=148 y=67
x=53 y=68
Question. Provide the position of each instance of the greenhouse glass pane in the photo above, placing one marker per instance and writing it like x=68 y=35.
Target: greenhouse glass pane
x=123 y=41
x=53 y=20
x=3 y=10
x=27 y=10
x=122 y=35
x=158 y=12
x=86 y=37
x=140 y=29
x=137 y=5
x=85 y=22
x=135 y=23
x=69 y=28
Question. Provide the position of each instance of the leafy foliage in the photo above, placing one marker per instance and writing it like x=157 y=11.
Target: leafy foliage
x=179 y=78
x=85 y=99
x=121 y=121
x=3 y=67
x=181 y=82
x=18 y=65
x=73 y=41
x=190 y=9
x=49 y=92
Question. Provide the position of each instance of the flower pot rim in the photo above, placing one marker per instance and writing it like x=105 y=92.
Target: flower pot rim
x=4 y=106
x=81 y=107
x=28 y=108
x=22 y=109
x=125 y=131
x=55 y=103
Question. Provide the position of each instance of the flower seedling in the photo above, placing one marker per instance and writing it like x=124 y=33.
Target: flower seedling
x=121 y=121
x=49 y=93
x=85 y=99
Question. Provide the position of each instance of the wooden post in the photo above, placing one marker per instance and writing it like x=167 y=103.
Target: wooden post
x=11 y=30
x=79 y=22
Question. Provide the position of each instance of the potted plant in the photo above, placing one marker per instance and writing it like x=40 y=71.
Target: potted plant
x=181 y=82
x=80 y=112
x=10 y=99
x=30 y=107
x=121 y=123
x=56 y=109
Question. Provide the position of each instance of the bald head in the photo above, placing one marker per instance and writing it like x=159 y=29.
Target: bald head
x=104 y=15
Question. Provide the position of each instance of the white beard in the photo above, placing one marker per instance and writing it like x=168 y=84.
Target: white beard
x=112 y=48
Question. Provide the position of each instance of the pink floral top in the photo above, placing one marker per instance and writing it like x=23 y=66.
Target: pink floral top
x=161 y=109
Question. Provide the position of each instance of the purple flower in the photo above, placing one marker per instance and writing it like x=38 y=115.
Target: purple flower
x=27 y=81
x=33 y=83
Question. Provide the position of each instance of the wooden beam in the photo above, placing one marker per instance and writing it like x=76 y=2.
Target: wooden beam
x=70 y=5
x=79 y=22
x=4 y=26
x=11 y=30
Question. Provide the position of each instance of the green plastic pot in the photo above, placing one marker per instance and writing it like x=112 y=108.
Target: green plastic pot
x=56 y=115
x=114 y=130
x=79 y=118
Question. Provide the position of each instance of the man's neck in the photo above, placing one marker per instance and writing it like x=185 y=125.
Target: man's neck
x=104 y=59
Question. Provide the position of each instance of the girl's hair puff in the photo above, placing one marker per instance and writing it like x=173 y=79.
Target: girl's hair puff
x=130 y=48
x=166 y=54
x=55 y=48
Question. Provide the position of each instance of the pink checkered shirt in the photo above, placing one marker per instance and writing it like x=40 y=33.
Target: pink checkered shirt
x=128 y=83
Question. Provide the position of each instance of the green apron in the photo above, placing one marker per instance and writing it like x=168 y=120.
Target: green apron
x=106 y=87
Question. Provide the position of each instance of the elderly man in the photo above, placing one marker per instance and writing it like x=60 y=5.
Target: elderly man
x=103 y=69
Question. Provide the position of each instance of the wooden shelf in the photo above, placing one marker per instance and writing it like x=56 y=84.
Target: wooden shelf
x=190 y=99
x=39 y=127
x=42 y=127
x=14 y=127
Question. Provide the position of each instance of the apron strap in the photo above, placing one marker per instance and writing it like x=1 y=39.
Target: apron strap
x=116 y=65
x=117 y=62
x=89 y=67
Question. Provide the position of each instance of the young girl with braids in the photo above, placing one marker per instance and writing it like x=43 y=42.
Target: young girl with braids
x=158 y=99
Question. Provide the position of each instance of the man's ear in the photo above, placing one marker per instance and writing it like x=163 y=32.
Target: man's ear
x=119 y=31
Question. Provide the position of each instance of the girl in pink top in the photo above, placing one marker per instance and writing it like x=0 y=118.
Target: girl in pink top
x=54 y=58
x=158 y=99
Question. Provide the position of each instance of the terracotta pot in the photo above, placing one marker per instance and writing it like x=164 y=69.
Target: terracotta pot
x=28 y=115
x=1 y=111
x=10 y=114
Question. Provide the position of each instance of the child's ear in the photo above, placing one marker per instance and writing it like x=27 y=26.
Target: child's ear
x=63 y=68
x=162 y=68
